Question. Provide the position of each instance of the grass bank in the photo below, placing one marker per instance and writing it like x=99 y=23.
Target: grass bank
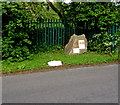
x=39 y=61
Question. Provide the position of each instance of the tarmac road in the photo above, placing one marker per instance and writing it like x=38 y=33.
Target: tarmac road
x=98 y=84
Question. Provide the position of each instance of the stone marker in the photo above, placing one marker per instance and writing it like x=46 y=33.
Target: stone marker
x=76 y=45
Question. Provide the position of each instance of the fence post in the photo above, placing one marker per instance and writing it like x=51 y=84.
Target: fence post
x=113 y=47
x=113 y=29
x=45 y=23
x=37 y=32
x=48 y=31
x=53 y=30
x=63 y=33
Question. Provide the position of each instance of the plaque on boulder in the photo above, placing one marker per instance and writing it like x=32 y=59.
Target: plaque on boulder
x=76 y=45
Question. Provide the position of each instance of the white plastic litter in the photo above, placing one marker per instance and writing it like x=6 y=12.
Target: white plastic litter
x=55 y=63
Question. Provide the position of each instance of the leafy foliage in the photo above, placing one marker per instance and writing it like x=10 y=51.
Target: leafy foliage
x=93 y=19
x=90 y=16
x=16 y=36
x=16 y=40
x=104 y=42
x=43 y=47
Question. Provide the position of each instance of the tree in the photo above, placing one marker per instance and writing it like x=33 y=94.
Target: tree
x=15 y=38
x=91 y=15
x=16 y=35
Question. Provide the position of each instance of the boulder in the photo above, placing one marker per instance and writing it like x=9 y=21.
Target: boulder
x=76 y=45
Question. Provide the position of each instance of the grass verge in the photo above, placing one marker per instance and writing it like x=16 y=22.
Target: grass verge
x=39 y=61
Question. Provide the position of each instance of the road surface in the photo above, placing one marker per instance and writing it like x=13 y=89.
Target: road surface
x=98 y=84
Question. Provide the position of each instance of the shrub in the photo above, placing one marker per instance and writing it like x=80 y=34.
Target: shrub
x=15 y=39
x=104 y=42
x=43 y=47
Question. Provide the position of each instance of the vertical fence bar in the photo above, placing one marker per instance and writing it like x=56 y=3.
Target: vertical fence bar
x=48 y=31
x=33 y=26
x=69 y=30
x=57 y=31
x=72 y=28
x=45 y=29
x=110 y=30
x=61 y=32
x=37 y=22
x=66 y=32
x=113 y=29
x=59 y=35
x=41 y=30
x=53 y=31
x=36 y=30
x=116 y=29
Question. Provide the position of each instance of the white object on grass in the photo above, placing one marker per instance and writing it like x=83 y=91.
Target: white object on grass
x=55 y=63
